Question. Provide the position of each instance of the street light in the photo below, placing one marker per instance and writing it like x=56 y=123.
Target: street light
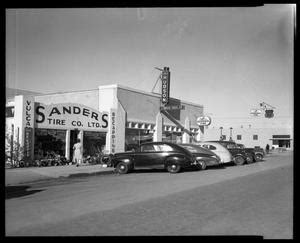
x=230 y=139
x=221 y=135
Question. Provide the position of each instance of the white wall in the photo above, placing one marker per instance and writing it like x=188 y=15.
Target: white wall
x=264 y=135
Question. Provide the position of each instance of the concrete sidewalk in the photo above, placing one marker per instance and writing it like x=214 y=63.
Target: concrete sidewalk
x=15 y=176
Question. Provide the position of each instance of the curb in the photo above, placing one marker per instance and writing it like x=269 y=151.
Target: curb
x=69 y=176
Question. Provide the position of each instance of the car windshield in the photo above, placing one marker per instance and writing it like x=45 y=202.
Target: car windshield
x=232 y=146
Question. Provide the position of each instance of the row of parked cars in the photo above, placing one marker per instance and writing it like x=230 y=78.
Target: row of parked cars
x=175 y=157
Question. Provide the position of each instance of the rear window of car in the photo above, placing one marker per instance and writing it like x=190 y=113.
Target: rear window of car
x=208 y=146
x=211 y=147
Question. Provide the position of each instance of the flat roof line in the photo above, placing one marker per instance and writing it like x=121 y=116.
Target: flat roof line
x=153 y=94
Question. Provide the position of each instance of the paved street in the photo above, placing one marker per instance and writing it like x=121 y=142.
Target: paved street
x=255 y=199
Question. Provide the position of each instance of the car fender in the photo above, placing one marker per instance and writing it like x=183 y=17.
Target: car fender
x=178 y=159
x=259 y=153
x=239 y=154
x=126 y=159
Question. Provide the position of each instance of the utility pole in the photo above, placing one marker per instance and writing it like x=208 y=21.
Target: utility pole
x=12 y=144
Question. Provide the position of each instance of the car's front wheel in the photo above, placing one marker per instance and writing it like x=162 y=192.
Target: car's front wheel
x=239 y=160
x=173 y=168
x=258 y=157
x=122 y=168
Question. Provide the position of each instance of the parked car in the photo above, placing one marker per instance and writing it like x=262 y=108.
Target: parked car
x=204 y=156
x=159 y=155
x=219 y=150
x=240 y=156
x=259 y=153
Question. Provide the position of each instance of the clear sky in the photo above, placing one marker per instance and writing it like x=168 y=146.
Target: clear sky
x=227 y=59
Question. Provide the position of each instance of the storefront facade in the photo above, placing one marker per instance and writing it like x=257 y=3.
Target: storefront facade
x=113 y=117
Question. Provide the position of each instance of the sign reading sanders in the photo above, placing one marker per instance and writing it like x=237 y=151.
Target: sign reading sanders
x=70 y=116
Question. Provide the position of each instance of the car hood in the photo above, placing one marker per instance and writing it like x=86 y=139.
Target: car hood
x=123 y=153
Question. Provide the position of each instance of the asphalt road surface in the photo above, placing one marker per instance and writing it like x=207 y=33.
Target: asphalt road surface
x=255 y=199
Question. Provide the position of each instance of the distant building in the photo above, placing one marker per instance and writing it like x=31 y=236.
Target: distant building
x=254 y=131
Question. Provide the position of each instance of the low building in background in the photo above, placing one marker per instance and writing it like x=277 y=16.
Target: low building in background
x=254 y=131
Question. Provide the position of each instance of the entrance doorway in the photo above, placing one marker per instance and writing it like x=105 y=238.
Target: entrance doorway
x=284 y=143
x=281 y=141
x=73 y=140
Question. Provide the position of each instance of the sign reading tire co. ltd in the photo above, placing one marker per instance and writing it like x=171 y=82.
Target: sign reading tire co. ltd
x=70 y=116
x=203 y=121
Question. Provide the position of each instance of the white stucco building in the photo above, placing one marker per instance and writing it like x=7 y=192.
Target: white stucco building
x=115 y=116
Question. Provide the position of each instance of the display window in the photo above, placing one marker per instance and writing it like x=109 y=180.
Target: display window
x=48 y=142
x=135 y=137
x=172 y=137
x=93 y=143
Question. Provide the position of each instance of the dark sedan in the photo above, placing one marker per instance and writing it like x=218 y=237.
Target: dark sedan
x=240 y=155
x=158 y=155
x=204 y=156
x=258 y=152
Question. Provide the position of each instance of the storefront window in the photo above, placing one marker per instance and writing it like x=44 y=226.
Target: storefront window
x=135 y=137
x=172 y=137
x=93 y=143
x=9 y=111
x=49 y=141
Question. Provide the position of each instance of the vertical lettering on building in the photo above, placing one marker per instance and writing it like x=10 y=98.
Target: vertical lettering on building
x=113 y=131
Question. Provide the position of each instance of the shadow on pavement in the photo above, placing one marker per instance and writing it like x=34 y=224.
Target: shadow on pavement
x=18 y=191
x=148 y=171
x=90 y=174
x=189 y=169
